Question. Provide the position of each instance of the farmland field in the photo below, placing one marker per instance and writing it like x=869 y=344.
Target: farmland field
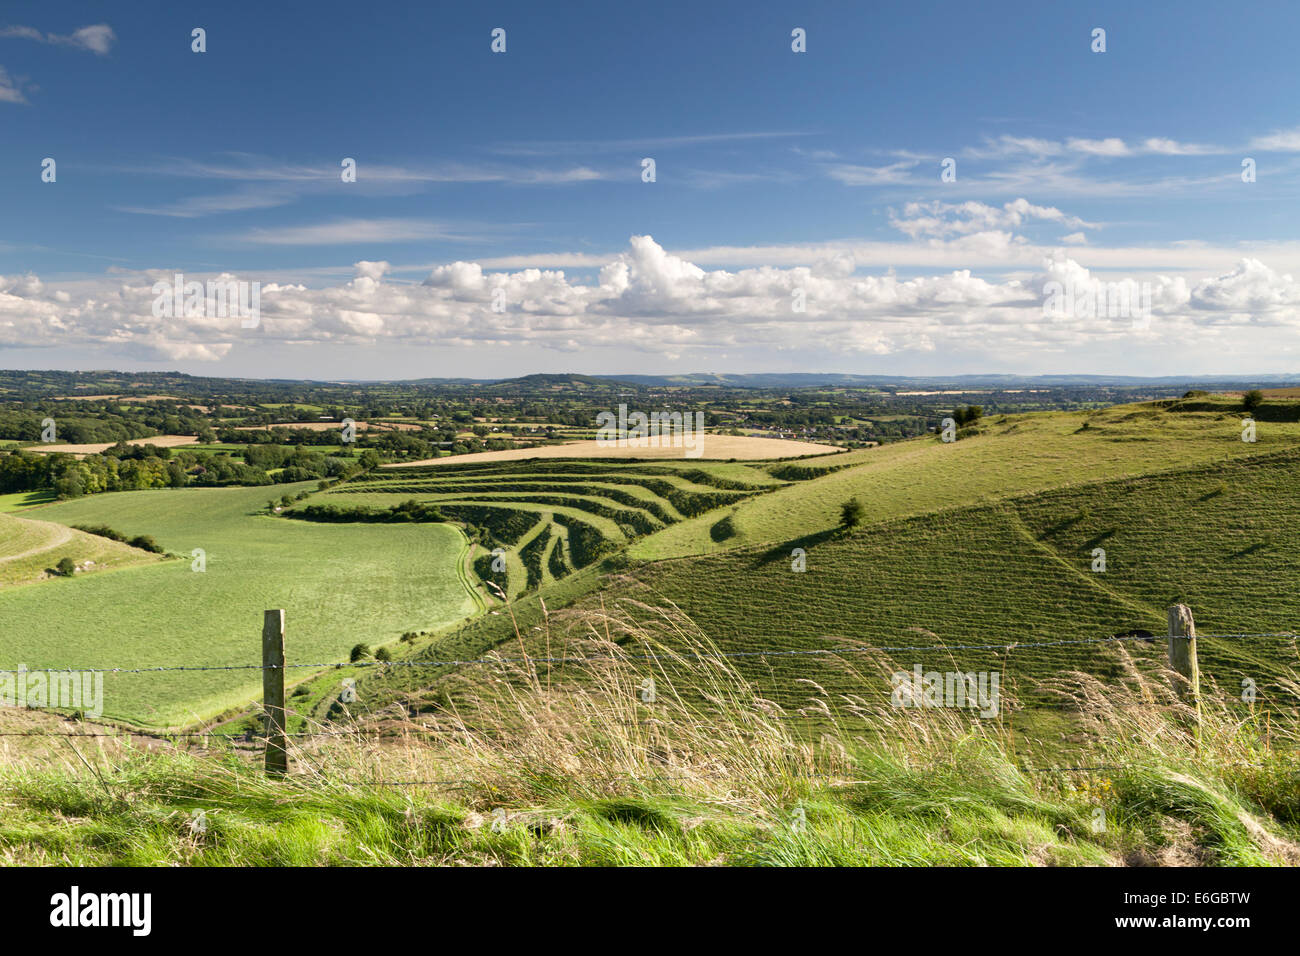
x=713 y=447
x=340 y=585
x=91 y=448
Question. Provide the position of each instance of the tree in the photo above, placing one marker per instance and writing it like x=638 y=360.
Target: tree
x=851 y=513
x=1252 y=399
x=66 y=567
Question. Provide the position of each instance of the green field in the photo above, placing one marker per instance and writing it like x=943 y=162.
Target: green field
x=340 y=585
x=23 y=499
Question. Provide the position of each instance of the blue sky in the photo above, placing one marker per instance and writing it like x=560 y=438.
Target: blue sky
x=776 y=172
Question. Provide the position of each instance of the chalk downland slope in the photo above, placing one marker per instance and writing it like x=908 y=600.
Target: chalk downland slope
x=988 y=541
x=28 y=549
x=1012 y=455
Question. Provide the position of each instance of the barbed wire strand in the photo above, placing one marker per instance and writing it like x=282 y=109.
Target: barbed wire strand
x=770 y=652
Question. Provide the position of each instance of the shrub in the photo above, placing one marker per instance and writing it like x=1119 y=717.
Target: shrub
x=383 y=654
x=1252 y=400
x=146 y=543
x=102 y=530
x=66 y=567
x=851 y=513
x=359 y=653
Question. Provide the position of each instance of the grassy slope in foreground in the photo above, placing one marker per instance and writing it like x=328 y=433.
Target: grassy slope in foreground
x=340 y=584
x=1017 y=454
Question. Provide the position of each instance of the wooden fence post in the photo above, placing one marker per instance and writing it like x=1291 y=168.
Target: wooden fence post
x=1182 y=655
x=277 y=745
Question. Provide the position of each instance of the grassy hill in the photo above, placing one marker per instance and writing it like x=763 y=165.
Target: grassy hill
x=765 y=702
x=1013 y=455
x=341 y=585
x=30 y=548
x=988 y=540
x=1185 y=511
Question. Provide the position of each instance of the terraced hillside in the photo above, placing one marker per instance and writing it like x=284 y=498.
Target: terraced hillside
x=1213 y=523
x=547 y=518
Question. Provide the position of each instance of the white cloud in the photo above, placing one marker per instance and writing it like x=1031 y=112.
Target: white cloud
x=194 y=206
x=10 y=89
x=98 y=38
x=1251 y=288
x=940 y=219
x=1098 y=147
x=1281 y=141
x=851 y=175
x=1112 y=146
x=651 y=300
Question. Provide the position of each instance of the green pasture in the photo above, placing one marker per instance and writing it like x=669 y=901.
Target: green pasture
x=341 y=584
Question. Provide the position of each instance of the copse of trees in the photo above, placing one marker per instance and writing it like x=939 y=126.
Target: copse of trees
x=967 y=415
x=135 y=468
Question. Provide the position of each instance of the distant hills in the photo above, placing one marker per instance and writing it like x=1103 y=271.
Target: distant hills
x=125 y=381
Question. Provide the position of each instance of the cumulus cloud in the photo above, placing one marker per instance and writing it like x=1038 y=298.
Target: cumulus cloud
x=650 y=299
x=1250 y=289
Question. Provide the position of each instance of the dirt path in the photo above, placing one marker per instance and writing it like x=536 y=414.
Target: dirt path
x=63 y=537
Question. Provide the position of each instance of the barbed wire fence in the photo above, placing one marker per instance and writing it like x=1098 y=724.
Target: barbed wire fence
x=1181 y=642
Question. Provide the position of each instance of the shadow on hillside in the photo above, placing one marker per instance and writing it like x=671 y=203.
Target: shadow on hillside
x=1253 y=549
x=1065 y=524
x=1098 y=540
x=807 y=542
